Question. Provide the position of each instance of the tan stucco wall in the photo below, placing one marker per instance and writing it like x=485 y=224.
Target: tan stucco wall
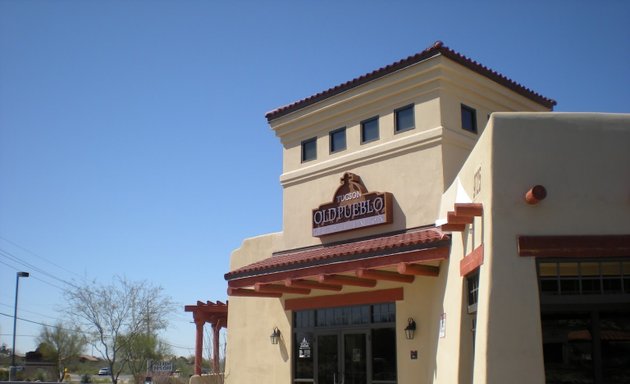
x=416 y=190
x=581 y=159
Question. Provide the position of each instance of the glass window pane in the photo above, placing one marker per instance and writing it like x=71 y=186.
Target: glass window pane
x=404 y=119
x=568 y=269
x=567 y=348
x=303 y=355
x=611 y=268
x=589 y=269
x=365 y=314
x=469 y=119
x=569 y=287
x=309 y=150
x=384 y=354
x=612 y=285
x=338 y=140
x=615 y=328
x=356 y=315
x=384 y=313
x=369 y=130
x=328 y=363
x=355 y=358
x=549 y=286
x=591 y=286
x=547 y=269
x=625 y=266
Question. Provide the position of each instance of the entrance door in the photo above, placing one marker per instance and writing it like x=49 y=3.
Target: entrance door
x=342 y=358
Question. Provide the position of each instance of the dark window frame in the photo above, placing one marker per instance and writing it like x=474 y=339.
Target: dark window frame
x=609 y=284
x=472 y=290
x=378 y=130
x=397 y=111
x=303 y=145
x=331 y=139
x=472 y=112
x=311 y=323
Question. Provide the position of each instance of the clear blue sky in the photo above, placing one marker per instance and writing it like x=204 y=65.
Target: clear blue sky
x=132 y=133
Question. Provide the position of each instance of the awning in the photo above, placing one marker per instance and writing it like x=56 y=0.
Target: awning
x=394 y=257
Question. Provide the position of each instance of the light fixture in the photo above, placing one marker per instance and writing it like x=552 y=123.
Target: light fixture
x=275 y=336
x=410 y=329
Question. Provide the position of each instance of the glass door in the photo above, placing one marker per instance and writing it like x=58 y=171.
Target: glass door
x=355 y=362
x=328 y=359
x=342 y=358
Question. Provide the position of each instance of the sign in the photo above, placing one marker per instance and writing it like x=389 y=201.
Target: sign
x=162 y=366
x=305 y=350
x=443 y=325
x=352 y=207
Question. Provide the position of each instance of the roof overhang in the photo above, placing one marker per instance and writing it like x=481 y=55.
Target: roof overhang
x=397 y=257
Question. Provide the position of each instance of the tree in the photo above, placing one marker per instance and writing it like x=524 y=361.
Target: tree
x=115 y=315
x=140 y=348
x=60 y=344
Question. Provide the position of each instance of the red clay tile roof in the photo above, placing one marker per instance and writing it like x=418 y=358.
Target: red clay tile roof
x=437 y=49
x=410 y=240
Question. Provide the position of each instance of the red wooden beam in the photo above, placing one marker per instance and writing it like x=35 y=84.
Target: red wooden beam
x=346 y=280
x=250 y=293
x=453 y=227
x=468 y=209
x=342 y=300
x=452 y=218
x=418 y=270
x=278 y=288
x=574 y=246
x=471 y=261
x=384 y=275
x=310 y=284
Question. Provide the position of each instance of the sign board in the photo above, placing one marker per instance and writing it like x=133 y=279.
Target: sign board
x=305 y=349
x=162 y=366
x=352 y=207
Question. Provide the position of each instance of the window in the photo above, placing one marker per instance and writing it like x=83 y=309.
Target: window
x=404 y=119
x=309 y=149
x=469 y=119
x=369 y=130
x=584 y=277
x=337 y=140
x=472 y=281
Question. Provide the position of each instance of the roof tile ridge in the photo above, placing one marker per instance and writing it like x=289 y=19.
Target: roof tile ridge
x=457 y=56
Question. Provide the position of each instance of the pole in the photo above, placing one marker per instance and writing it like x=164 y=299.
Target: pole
x=12 y=369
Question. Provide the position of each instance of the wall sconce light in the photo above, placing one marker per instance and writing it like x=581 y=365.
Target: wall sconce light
x=275 y=336
x=410 y=329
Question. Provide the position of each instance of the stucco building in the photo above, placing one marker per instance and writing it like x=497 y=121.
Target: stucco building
x=440 y=225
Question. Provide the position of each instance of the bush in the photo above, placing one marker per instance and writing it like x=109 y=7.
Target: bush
x=86 y=378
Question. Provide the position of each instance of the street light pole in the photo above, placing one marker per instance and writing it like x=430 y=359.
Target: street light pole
x=17 y=285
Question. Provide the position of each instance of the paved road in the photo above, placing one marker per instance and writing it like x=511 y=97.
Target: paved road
x=122 y=379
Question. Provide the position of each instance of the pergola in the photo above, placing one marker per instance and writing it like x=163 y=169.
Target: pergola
x=216 y=314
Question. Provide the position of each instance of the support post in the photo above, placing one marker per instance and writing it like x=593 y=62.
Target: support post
x=216 y=327
x=199 y=346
